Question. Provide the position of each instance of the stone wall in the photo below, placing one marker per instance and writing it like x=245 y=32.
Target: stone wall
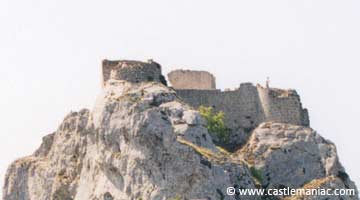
x=132 y=71
x=242 y=107
x=282 y=106
x=248 y=106
x=187 y=79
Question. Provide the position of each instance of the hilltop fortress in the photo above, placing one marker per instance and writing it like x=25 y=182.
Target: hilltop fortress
x=142 y=140
x=244 y=108
x=145 y=140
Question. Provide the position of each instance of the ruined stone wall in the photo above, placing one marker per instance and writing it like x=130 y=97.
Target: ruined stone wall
x=188 y=79
x=282 y=106
x=250 y=105
x=242 y=107
x=132 y=71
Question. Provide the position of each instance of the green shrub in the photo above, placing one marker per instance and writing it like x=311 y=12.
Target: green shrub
x=257 y=174
x=215 y=122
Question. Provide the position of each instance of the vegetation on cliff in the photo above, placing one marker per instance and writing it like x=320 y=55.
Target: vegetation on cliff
x=215 y=122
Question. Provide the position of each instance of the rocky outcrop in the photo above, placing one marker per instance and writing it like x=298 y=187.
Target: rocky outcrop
x=141 y=142
x=52 y=172
x=292 y=156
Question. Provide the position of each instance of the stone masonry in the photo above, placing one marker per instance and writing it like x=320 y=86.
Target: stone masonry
x=187 y=79
x=132 y=71
x=249 y=105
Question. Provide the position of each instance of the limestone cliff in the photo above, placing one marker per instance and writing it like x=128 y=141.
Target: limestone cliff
x=142 y=142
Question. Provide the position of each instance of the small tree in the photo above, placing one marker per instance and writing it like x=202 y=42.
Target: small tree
x=215 y=122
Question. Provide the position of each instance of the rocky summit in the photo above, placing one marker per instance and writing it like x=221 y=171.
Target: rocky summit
x=144 y=140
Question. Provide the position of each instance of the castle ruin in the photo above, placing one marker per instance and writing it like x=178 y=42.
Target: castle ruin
x=132 y=71
x=245 y=107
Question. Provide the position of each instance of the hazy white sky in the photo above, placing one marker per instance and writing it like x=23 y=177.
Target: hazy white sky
x=50 y=55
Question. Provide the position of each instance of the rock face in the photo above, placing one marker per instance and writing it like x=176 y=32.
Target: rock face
x=142 y=142
x=292 y=156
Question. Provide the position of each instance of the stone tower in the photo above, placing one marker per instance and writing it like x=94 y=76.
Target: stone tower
x=132 y=71
x=189 y=79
